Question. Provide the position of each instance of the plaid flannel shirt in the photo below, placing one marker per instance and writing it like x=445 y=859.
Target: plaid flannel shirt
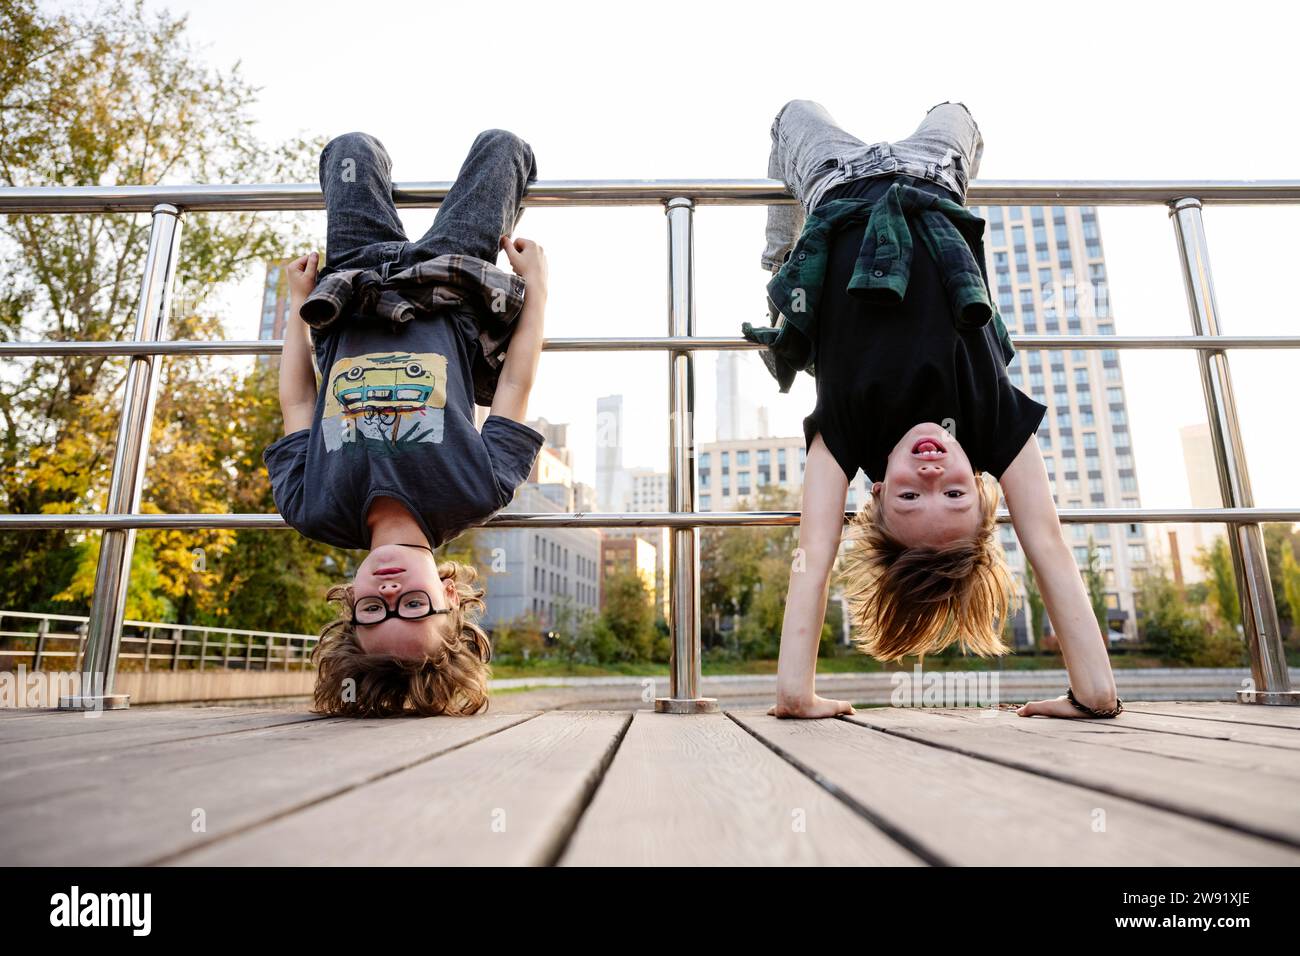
x=952 y=233
x=494 y=296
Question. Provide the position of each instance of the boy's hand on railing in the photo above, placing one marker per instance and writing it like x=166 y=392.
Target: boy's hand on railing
x=810 y=707
x=528 y=259
x=302 y=276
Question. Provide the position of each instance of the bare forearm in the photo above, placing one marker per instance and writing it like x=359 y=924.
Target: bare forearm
x=297 y=374
x=519 y=370
x=1071 y=613
x=821 y=527
x=801 y=632
x=1033 y=512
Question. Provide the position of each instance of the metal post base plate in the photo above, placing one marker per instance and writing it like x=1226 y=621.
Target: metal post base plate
x=93 y=702
x=1284 y=698
x=697 y=705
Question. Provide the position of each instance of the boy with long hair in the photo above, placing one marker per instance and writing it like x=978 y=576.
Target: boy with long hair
x=883 y=297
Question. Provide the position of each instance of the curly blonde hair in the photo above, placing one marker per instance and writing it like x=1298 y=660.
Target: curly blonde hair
x=905 y=600
x=353 y=683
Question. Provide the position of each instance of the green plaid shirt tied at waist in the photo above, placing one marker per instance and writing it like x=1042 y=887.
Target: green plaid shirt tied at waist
x=494 y=297
x=952 y=233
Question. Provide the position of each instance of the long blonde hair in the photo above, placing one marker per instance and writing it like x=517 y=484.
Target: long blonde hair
x=353 y=683
x=906 y=600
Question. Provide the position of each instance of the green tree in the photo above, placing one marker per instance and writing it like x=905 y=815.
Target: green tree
x=1216 y=562
x=1037 y=609
x=119 y=96
x=1096 y=584
x=745 y=575
x=1169 y=626
x=1281 y=539
x=626 y=629
x=1290 y=574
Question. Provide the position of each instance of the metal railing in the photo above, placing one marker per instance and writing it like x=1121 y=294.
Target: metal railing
x=679 y=198
x=230 y=648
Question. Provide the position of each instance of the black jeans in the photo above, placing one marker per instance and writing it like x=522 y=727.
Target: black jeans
x=363 y=229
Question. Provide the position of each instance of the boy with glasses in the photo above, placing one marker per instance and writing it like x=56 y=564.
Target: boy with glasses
x=380 y=450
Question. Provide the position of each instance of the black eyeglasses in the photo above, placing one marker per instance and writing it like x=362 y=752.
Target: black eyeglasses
x=411 y=606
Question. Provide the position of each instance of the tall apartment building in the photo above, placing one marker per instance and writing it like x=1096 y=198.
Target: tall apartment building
x=736 y=413
x=1048 y=272
x=611 y=480
x=1179 y=545
x=275 y=305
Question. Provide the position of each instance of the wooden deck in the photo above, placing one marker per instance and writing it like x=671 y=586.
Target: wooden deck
x=1165 y=783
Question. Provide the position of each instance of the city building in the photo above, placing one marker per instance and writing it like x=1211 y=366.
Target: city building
x=736 y=413
x=1179 y=545
x=648 y=492
x=531 y=571
x=727 y=471
x=275 y=305
x=611 y=480
x=1048 y=273
x=628 y=553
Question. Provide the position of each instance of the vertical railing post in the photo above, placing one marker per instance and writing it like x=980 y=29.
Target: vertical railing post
x=1255 y=590
x=42 y=629
x=82 y=630
x=113 y=575
x=684 y=554
x=148 y=648
x=203 y=649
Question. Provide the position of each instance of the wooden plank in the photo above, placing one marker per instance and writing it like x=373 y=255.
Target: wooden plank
x=509 y=799
x=75 y=723
x=1258 y=802
x=67 y=752
x=8 y=713
x=969 y=812
x=1251 y=734
x=146 y=803
x=1264 y=715
x=1132 y=732
x=701 y=791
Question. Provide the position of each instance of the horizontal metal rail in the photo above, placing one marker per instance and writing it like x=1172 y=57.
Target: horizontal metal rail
x=623 y=192
x=698 y=343
x=1184 y=200
x=633 y=519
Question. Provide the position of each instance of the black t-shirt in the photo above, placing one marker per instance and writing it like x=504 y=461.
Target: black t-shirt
x=881 y=370
x=395 y=418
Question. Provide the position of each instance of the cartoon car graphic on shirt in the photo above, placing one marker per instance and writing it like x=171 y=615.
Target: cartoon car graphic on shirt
x=384 y=386
x=387 y=399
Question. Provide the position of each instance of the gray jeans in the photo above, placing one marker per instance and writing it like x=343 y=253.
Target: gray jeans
x=362 y=226
x=811 y=153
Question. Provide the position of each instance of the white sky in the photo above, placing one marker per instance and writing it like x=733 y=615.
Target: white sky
x=1095 y=91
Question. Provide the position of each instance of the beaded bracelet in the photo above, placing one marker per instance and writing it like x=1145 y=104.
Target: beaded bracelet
x=1114 y=712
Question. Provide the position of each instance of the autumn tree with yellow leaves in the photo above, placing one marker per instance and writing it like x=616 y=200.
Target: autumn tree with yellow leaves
x=122 y=97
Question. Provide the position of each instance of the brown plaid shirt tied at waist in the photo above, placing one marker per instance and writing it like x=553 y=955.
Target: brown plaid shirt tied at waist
x=494 y=297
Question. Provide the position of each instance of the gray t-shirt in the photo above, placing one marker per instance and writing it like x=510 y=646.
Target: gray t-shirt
x=395 y=418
